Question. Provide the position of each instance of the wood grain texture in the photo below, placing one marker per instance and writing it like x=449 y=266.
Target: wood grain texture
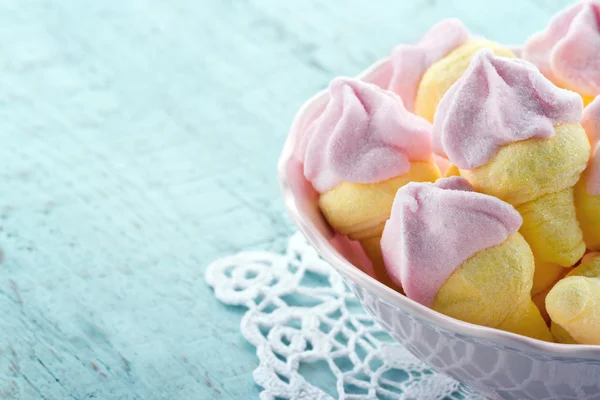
x=139 y=141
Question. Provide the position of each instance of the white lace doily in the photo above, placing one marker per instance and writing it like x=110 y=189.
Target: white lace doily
x=300 y=313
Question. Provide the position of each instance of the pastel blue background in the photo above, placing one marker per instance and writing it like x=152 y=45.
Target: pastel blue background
x=138 y=142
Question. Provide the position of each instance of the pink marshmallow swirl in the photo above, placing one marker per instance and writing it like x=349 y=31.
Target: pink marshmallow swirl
x=435 y=228
x=568 y=51
x=411 y=61
x=496 y=102
x=593 y=175
x=364 y=135
x=591 y=123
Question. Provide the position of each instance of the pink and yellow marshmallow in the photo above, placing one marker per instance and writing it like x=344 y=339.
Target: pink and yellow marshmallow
x=587 y=190
x=363 y=147
x=422 y=73
x=516 y=136
x=568 y=51
x=459 y=252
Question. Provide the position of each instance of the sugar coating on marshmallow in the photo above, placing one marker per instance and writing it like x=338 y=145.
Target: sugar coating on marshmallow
x=591 y=123
x=496 y=102
x=411 y=61
x=364 y=135
x=568 y=51
x=435 y=228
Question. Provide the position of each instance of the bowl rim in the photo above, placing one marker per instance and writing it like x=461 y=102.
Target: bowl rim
x=359 y=277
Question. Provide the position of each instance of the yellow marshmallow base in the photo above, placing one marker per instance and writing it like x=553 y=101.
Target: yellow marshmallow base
x=574 y=304
x=560 y=335
x=451 y=171
x=544 y=279
x=536 y=176
x=442 y=74
x=551 y=228
x=524 y=171
x=588 y=213
x=361 y=210
x=493 y=288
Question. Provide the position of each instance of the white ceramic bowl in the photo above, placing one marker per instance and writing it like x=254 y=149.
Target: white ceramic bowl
x=497 y=364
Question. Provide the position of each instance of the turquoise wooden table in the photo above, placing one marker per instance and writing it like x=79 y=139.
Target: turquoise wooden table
x=139 y=141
